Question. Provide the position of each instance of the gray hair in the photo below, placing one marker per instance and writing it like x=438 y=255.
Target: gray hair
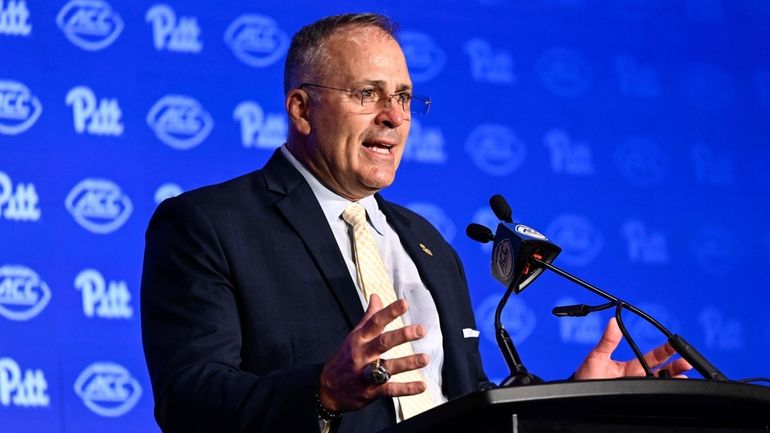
x=306 y=51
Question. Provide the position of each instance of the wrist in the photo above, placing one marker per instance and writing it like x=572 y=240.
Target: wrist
x=324 y=412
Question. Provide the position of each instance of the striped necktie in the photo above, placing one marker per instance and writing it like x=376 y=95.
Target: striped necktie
x=373 y=277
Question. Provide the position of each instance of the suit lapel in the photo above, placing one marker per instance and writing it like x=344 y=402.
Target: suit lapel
x=297 y=203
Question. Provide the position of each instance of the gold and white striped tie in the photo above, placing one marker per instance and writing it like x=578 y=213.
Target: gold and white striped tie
x=373 y=277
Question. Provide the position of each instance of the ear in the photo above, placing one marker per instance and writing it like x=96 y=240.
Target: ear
x=297 y=107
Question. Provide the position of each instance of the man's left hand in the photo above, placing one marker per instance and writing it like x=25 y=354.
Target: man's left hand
x=599 y=364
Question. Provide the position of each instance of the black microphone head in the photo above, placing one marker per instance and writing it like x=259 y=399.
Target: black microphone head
x=514 y=244
x=479 y=233
x=500 y=207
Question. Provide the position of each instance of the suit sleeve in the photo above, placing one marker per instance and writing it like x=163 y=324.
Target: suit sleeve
x=192 y=338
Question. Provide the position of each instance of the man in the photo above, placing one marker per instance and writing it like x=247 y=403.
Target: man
x=259 y=311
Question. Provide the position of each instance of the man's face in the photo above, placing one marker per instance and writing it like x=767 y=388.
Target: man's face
x=356 y=150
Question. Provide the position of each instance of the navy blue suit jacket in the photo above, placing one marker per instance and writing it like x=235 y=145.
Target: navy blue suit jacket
x=245 y=295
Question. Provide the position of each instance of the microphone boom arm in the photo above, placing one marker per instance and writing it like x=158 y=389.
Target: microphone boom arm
x=685 y=349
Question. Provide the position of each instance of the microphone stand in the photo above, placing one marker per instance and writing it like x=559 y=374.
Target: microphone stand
x=685 y=349
x=519 y=373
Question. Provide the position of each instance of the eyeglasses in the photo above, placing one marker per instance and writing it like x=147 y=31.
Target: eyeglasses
x=371 y=96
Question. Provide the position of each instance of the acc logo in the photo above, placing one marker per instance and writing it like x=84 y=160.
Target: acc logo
x=23 y=295
x=437 y=217
x=580 y=241
x=495 y=149
x=19 y=109
x=716 y=250
x=529 y=231
x=642 y=162
x=256 y=40
x=167 y=190
x=424 y=57
x=519 y=320
x=563 y=72
x=108 y=389
x=502 y=261
x=89 y=24
x=180 y=121
x=98 y=205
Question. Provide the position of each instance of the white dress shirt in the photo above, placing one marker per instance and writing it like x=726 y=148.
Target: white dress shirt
x=406 y=278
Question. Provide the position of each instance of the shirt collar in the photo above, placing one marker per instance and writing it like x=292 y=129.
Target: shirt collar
x=334 y=204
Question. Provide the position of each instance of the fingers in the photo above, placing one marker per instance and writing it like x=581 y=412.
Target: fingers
x=377 y=318
x=390 y=339
x=406 y=363
x=398 y=389
x=610 y=339
x=659 y=355
x=677 y=368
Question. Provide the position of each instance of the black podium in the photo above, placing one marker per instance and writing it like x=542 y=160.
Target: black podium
x=603 y=406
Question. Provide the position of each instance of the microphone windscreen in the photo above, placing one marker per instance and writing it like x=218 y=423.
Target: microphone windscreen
x=500 y=207
x=479 y=233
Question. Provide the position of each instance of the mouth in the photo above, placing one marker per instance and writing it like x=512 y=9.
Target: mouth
x=380 y=147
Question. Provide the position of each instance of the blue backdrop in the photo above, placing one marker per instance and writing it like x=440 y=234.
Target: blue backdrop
x=634 y=133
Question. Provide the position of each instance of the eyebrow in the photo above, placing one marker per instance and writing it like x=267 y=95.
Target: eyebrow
x=382 y=84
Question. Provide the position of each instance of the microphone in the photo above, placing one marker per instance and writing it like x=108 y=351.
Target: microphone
x=514 y=244
x=520 y=254
x=501 y=208
x=479 y=233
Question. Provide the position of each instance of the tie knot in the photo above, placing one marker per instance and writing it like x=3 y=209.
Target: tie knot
x=354 y=214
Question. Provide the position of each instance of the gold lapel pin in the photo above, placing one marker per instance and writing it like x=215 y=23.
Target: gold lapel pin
x=426 y=250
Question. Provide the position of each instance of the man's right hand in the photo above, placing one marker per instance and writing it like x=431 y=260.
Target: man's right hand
x=343 y=386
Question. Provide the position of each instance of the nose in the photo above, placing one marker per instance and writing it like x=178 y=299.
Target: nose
x=391 y=115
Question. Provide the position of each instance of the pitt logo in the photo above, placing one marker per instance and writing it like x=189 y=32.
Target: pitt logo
x=256 y=40
x=258 y=130
x=108 y=389
x=89 y=24
x=98 y=205
x=19 y=109
x=169 y=34
x=180 y=121
x=18 y=205
x=88 y=116
x=22 y=388
x=14 y=18
x=425 y=144
x=568 y=157
x=23 y=295
x=488 y=65
x=103 y=300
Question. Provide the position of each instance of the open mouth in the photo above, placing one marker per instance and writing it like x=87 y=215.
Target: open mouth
x=378 y=147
